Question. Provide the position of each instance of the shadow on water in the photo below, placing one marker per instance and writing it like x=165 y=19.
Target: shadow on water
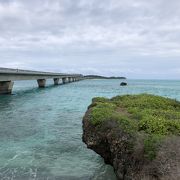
x=20 y=95
x=34 y=90
x=6 y=99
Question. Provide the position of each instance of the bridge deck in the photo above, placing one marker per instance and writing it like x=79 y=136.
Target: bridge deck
x=7 y=74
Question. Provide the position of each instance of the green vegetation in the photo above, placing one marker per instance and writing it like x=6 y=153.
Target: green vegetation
x=102 y=112
x=155 y=116
x=102 y=77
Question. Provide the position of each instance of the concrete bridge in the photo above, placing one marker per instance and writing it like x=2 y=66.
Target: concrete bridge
x=8 y=76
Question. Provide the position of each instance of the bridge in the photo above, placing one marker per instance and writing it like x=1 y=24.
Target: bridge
x=8 y=76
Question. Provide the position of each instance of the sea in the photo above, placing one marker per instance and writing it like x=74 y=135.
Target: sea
x=41 y=129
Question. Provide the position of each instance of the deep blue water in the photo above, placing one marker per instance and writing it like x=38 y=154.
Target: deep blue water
x=41 y=129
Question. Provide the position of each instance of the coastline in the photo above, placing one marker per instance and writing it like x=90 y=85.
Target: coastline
x=137 y=147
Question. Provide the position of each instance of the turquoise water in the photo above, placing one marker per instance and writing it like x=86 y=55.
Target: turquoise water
x=41 y=129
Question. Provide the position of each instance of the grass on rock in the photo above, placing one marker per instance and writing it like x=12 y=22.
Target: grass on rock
x=156 y=116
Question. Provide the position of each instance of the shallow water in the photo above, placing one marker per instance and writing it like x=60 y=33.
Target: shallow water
x=41 y=129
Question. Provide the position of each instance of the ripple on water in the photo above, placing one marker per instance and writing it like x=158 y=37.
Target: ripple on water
x=41 y=129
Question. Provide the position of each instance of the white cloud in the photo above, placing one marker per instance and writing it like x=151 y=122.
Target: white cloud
x=77 y=31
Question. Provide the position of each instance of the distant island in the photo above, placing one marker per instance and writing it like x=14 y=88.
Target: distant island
x=102 y=77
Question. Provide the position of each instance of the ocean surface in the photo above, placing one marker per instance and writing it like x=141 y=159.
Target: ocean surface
x=41 y=129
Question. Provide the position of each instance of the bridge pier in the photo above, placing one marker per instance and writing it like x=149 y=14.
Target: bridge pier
x=56 y=81
x=65 y=80
x=70 y=79
x=6 y=87
x=41 y=83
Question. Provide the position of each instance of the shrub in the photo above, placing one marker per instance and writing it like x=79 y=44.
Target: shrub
x=156 y=116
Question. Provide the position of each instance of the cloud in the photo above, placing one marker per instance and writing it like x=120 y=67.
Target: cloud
x=89 y=33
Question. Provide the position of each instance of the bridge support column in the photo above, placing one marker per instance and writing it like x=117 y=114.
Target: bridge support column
x=70 y=79
x=41 y=83
x=65 y=80
x=6 y=87
x=56 y=81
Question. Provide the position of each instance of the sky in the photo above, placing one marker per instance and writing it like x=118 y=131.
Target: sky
x=139 y=39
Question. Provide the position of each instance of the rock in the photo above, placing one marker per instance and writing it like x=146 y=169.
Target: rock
x=123 y=84
x=134 y=153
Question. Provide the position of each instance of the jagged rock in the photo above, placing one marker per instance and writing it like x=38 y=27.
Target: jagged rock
x=123 y=84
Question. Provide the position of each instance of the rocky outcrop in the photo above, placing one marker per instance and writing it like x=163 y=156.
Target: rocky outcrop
x=126 y=151
x=109 y=142
x=123 y=84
